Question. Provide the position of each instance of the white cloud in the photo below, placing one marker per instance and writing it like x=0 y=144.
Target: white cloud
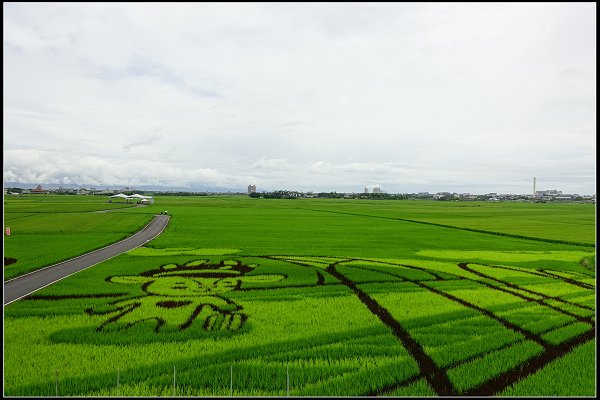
x=34 y=166
x=143 y=140
x=322 y=167
x=321 y=96
x=271 y=163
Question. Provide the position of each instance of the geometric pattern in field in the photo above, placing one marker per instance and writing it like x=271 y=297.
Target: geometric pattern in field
x=441 y=328
x=473 y=329
x=178 y=297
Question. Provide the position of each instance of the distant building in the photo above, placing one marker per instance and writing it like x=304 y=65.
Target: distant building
x=62 y=190
x=552 y=192
x=39 y=190
x=377 y=189
x=366 y=189
x=442 y=196
x=251 y=189
x=104 y=192
x=135 y=198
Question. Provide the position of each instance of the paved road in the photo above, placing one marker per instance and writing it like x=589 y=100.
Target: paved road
x=21 y=286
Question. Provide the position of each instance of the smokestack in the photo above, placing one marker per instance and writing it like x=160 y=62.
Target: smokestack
x=534 y=185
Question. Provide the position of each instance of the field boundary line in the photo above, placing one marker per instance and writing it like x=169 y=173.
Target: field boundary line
x=500 y=382
x=533 y=292
x=82 y=255
x=467 y=304
x=542 y=302
x=511 y=235
x=435 y=376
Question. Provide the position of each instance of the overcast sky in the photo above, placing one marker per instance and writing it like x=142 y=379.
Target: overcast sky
x=308 y=96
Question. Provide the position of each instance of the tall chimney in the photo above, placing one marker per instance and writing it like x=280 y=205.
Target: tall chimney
x=534 y=185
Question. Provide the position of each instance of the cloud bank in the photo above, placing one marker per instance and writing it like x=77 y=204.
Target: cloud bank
x=430 y=97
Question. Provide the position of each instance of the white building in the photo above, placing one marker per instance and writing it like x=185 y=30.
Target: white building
x=142 y=199
x=136 y=198
x=551 y=192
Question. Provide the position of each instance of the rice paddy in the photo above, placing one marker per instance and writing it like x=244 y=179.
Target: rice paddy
x=261 y=297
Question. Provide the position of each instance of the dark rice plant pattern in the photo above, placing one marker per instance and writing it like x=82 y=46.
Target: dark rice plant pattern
x=178 y=297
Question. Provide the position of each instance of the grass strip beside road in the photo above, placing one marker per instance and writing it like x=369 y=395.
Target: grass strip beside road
x=47 y=239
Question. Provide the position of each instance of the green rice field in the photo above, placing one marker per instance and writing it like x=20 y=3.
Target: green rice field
x=305 y=297
x=46 y=229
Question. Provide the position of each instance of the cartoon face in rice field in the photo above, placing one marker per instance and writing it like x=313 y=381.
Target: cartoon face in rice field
x=181 y=297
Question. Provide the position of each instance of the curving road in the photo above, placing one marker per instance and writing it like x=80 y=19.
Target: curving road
x=21 y=286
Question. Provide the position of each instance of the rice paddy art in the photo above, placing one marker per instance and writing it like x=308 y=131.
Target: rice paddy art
x=241 y=296
x=181 y=297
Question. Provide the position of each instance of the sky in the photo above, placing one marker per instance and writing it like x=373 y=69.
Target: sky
x=409 y=97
